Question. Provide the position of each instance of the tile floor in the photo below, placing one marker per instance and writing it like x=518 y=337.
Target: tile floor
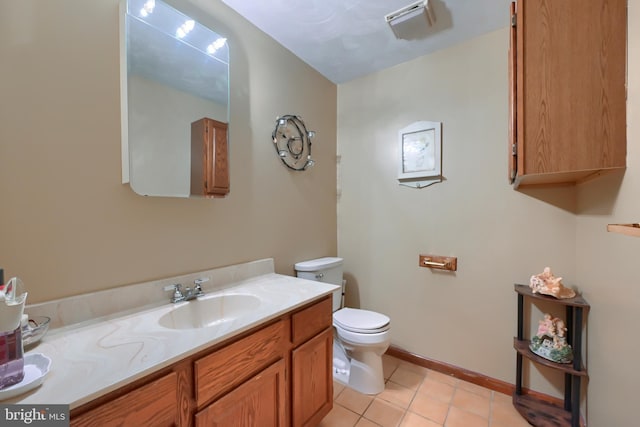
x=418 y=397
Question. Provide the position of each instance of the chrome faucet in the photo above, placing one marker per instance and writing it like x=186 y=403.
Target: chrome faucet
x=188 y=293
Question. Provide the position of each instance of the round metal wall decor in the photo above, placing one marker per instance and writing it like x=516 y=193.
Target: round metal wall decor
x=292 y=142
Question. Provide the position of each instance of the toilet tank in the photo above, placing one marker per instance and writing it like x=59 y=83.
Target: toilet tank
x=327 y=270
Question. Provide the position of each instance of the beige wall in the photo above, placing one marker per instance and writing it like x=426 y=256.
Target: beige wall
x=608 y=270
x=68 y=225
x=499 y=235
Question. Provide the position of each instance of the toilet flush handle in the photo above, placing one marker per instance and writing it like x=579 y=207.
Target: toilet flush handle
x=319 y=275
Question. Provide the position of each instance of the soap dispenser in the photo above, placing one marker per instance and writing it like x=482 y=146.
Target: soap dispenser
x=11 y=349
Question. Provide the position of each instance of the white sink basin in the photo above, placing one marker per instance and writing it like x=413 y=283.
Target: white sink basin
x=209 y=311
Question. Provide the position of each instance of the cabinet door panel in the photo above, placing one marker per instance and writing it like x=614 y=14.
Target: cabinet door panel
x=218 y=173
x=154 y=404
x=259 y=402
x=209 y=158
x=312 y=380
x=570 y=89
x=513 y=137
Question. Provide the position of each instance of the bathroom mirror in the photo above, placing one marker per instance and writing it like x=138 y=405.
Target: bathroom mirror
x=175 y=71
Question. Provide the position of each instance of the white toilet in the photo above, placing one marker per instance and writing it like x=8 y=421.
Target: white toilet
x=360 y=336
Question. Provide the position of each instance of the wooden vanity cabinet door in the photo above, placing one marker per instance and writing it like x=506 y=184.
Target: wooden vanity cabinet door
x=258 y=402
x=312 y=363
x=209 y=158
x=312 y=380
x=153 y=404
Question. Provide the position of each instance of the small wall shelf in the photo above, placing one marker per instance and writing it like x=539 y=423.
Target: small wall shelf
x=628 y=229
x=540 y=413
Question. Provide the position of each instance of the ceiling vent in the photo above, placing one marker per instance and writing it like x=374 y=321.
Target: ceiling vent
x=411 y=21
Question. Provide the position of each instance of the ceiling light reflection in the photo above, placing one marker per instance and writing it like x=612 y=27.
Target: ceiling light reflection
x=185 y=28
x=213 y=47
x=147 y=8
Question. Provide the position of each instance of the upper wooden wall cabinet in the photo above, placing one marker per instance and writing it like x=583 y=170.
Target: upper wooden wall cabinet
x=209 y=158
x=567 y=95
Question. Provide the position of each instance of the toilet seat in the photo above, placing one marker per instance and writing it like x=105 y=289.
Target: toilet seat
x=361 y=321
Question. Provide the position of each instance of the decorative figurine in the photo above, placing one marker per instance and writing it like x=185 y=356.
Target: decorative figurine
x=551 y=340
x=546 y=283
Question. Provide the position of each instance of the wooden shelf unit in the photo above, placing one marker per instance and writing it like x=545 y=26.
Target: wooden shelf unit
x=627 y=229
x=541 y=413
x=537 y=412
x=522 y=347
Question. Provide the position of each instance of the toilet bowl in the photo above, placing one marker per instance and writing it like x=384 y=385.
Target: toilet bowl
x=360 y=336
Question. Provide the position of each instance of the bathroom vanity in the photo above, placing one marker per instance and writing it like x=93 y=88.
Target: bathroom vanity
x=269 y=366
x=242 y=381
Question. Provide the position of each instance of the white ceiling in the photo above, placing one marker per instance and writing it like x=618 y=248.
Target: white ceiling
x=346 y=39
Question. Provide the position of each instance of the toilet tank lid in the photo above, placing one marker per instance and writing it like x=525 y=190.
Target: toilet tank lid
x=318 y=264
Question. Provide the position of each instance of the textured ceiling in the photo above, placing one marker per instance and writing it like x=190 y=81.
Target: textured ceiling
x=346 y=39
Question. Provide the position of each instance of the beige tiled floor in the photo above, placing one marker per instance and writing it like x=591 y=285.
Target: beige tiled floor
x=418 y=397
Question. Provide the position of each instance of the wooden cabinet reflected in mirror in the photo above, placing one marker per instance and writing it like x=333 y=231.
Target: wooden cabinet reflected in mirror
x=209 y=158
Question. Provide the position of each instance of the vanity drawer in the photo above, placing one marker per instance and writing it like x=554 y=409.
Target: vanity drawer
x=230 y=366
x=153 y=404
x=312 y=320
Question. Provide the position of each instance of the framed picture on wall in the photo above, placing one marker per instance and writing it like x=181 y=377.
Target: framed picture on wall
x=420 y=150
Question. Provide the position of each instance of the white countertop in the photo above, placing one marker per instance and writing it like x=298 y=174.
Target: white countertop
x=95 y=357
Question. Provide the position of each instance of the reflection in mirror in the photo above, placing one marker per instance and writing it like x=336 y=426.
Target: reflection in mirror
x=177 y=73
